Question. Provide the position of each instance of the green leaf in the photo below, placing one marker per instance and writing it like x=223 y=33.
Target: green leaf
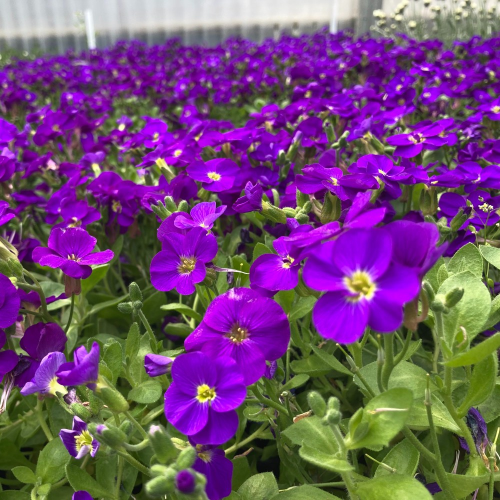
x=461 y=486
x=468 y=258
x=441 y=416
x=393 y=487
x=261 y=249
x=113 y=357
x=494 y=316
x=285 y=299
x=312 y=365
x=331 y=360
x=490 y=254
x=152 y=307
x=81 y=480
x=490 y=409
x=14 y=495
x=382 y=419
x=482 y=383
x=305 y=492
x=403 y=458
x=24 y=474
x=179 y=329
x=146 y=393
x=473 y=309
x=241 y=471
x=106 y=471
x=98 y=274
x=303 y=307
x=256 y=414
x=432 y=275
x=104 y=305
x=133 y=342
x=477 y=353
x=51 y=461
x=442 y=274
x=324 y=460
x=295 y=382
x=183 y=309
x=259 y=487
x=10 y=456
x=312 y=431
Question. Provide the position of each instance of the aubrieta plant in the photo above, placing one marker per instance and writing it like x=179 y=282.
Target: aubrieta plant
x=253 y=271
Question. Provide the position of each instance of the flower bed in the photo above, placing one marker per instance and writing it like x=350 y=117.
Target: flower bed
x=251 y=271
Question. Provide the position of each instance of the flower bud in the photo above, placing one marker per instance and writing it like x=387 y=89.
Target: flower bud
x=454 y=296
x=428 y=290
x=185 y=481
x=274 y=214
x=109 y=435
x=186 y=458
x=289 y=211
x=317 y=403
x=16 y=269
x=459 y=220
x=137 y=305
x=330 y=134
x=110 y=396
x=170 y=204
x=331 y=208
x=438 y=304
x=210 y=277
x=4 y=266
x=183 y=206
x=134 y=292
x=332 y=415
x=302 y=218
x=428 y=201
x=126 y=308
x=158 y=486
x=81 y=411
x=301 y=198
x=162 y=444
x=160 y=210
x=375 y=143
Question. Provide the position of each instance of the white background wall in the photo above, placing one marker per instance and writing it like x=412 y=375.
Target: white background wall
x=58 y=24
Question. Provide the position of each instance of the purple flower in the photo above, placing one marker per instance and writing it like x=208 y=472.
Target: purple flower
x=156 y=364
x=84 y=369
x=182 y=261
x=185 y=481
x=6 y=214
x=213 y=464
x=71 y=251
x=479 y=431
x=245 y=326
x=202 y=398
x=8 y=358
x=216 y=175
x=202 y=215
x=252 y=199
x=277 y=272
x=364 y=286
x=79 y=441
x=81 y=495
x=41 y=339
x=9 y=302
x=45 y=379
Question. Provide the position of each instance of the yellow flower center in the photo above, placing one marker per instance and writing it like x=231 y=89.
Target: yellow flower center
x=55 y=386
x=73 y=257
x=495 y=109
x=287 y=262
x=177 y=152
x=205 y=455
x=416 y=138
x=187 y=265
x=361 y=284
x=237 y=334
x=121 y=127
x=205 y=393
x=116 y=206
x=334 y=181
x=427 y=94
x=83 y=439
x=156 y=136
x=214 y=176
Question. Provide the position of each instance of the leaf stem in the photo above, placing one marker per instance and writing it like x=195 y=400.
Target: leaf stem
x=249 y=439
x=152 y=337
x=135 y=463
x=41 y=419
x=72 y=308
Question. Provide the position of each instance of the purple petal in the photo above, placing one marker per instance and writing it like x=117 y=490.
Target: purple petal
x=220 y=427
x=97 y=258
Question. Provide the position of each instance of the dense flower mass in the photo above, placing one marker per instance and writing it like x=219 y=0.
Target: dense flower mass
x=271 y=257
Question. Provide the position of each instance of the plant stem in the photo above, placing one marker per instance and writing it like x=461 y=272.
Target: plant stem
x=41 y=419
x=137 y=425
x=135 y=463
x=408 y=434
x=119 y=477
x=72 y=308
x=152 y=337
x=269 y=402
x=249 y=439
x=438 y=464
x=136 y=447
x=403 y=351
x=388 y=359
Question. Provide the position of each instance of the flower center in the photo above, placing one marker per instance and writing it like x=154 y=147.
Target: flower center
x=121 y=127
x=287 y=262
x=214 y=176
x=155 y=137
x=334 y=181
x=187 y=265
x=495 y=109
x=237 y=334
x=116 y=206
x=177 y=152
x=360 y=284
x=205 y=393
x=416 y=138
x=83 y=439
x=73 y=257
x=55 y=386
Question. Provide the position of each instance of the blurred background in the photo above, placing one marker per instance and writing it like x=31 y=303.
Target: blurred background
x=58 y=25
